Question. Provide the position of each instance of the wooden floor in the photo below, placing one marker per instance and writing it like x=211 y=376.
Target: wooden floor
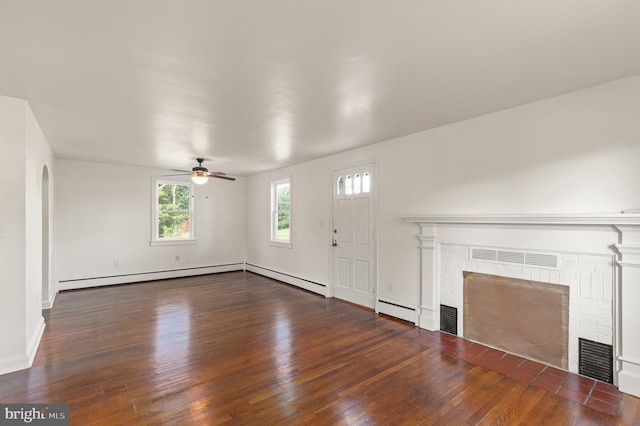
x=238 y=348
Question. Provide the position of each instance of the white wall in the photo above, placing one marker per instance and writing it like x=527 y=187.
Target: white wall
x=311 y=202
x=12 y=229
x=103 y=213
x=577 y=153
x=23 y=153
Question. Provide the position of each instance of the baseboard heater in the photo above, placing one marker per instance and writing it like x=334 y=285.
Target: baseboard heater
x=78 y=283
x=396 y=310
x=306 y=284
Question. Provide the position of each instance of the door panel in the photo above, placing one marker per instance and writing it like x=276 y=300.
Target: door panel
x=354 y=242
x=362 y=275
x=362 y=221
x=344 y=221
x=344 y=272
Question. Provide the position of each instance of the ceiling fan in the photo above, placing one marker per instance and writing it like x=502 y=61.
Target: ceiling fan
x=200 y=175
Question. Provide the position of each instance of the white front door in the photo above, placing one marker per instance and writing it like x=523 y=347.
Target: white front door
x=353 y=235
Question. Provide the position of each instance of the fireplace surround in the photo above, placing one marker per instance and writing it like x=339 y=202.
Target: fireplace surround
x=598 y=259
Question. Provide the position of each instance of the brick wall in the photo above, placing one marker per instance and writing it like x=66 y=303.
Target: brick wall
x=589 y=277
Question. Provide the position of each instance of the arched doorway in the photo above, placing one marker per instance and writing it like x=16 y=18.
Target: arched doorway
x=45 y=238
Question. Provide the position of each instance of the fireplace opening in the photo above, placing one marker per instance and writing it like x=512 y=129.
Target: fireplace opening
x=526 y=318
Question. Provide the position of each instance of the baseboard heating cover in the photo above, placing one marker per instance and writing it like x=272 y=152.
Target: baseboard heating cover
x=397 y=310
x=287 y=278
x=77 y=283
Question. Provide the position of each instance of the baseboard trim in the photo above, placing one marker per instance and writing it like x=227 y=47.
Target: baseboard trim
x=288 y=279
x=35 y=341
x=629 y=380
x=48 y=304
x=74 y=284
x=24 y=361
x=13 y=364
x=429 y=319
x=397 y=310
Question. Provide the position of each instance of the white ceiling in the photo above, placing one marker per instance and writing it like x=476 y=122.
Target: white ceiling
x=254 y=85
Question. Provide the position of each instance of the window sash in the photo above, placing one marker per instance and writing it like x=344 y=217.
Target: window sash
x=175 y=235
x=280 y=209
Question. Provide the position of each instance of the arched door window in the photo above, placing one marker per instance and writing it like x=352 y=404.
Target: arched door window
x=366 y=182
x=357 y=184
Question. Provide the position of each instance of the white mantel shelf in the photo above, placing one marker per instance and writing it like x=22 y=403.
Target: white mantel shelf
x=614 y=219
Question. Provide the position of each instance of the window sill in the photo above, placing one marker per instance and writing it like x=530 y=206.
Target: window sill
x=280 y=244
x=169 y=242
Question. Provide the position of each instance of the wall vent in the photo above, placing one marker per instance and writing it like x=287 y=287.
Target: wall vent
x=515 y=257
x=449 y=319
x=483 y=254
x=595 y=360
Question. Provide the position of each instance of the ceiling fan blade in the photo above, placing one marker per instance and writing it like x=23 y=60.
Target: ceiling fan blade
x=179 y=174
x=183 y=171
x=223 y=177
x=217 y=173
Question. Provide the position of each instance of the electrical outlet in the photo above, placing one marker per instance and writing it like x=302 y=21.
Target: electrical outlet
x=391 y=287
x=116 y=263
x=177 y=258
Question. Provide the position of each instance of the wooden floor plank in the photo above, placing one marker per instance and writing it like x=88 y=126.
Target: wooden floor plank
x=238 y=348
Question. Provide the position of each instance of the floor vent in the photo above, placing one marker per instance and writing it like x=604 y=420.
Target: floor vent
x=595 y=360
x=449 y=319
x=515 y=257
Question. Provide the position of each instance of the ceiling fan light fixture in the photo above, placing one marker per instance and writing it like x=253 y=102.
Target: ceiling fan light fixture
x=200 y=175
x=199 y=179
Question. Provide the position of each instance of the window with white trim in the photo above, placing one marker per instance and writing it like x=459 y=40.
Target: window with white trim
x=173 y=212
x=281 y=211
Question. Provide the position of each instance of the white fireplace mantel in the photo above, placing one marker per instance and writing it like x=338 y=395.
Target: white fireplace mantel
x=608 y=219
x=624 y=245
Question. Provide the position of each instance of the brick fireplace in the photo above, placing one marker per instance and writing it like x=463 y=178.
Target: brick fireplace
x=595 y=257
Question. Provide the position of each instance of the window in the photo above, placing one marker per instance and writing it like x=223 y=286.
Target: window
x=358 y=184
x=366 y=182
x=340 y=186
x=348 y=186
x=281 y=211
x=173 y=218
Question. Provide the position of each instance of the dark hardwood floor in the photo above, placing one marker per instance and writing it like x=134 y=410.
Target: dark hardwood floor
x=238 y=348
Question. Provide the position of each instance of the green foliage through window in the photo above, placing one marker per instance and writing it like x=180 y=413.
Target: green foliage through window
x=174 y=210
